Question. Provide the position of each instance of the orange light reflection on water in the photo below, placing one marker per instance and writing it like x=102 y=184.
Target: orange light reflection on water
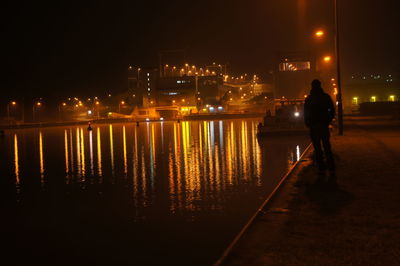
x=41 y=158
x=16 y=161
x=99 y=164
x=124 y=149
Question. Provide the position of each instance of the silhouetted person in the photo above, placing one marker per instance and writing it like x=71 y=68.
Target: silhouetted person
x=318 y=114
x=89 y=127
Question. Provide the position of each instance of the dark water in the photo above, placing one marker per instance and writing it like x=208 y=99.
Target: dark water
x=161 y=193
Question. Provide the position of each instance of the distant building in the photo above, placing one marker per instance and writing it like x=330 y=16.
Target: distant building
x=293 y=76
x=369 y=88
x=142 y=84
x=188 y=90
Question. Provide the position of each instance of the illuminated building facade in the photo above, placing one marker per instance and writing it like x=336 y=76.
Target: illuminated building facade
x=375 y=88
x=188 y=90
x=293 y=76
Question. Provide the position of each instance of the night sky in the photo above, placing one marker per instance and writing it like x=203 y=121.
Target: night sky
x=72 y=49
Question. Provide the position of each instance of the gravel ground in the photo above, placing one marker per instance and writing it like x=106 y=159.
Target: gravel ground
x=356 y=222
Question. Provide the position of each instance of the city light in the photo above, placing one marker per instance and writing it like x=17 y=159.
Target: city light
x=327 y=59
x=319 y=33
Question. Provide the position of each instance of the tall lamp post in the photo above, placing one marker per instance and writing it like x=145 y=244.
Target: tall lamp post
x=13 y=103
x=37 y=104
x=319 y=34
x=119 y=106
x=339 y=83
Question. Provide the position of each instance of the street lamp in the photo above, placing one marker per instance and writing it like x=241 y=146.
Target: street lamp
x=59 y=110
x=327 y=59
x=13 y=103
x=319 y=33
x=339 y=83
x=97 y=108
x=119 y=106
x=35 y=105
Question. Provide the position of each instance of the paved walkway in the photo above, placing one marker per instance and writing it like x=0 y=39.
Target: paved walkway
x=355 y=223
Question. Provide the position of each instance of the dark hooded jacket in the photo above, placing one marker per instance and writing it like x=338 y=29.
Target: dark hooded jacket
x=318 y=108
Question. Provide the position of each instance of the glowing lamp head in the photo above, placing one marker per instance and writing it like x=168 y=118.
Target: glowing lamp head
x=319 y=33
x=327 y=59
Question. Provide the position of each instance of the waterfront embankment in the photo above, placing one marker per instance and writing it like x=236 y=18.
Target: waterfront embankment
x=353 y=223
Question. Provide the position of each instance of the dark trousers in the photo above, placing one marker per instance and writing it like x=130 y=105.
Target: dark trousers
x=320 y=135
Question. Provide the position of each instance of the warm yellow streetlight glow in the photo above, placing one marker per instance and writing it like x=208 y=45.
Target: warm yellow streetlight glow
x=391 y=98
x=97 y=103
x=319 y=33
x=122 y=102
x=373 y=99
x=38 y=103
x=13 y=103
x=327 y=59
x=64 y=104
x=183 y=100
